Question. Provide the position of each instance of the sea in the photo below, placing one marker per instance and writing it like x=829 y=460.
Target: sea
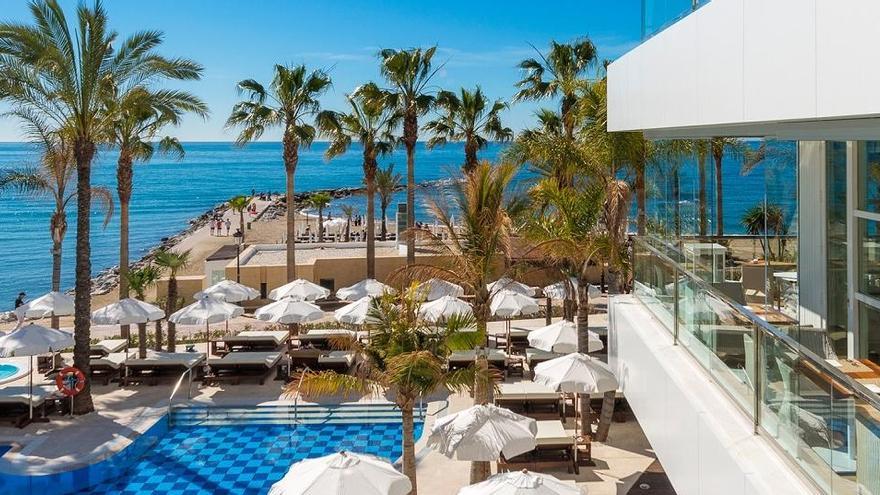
x=169 y=193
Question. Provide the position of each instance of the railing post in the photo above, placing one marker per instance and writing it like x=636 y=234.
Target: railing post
x=676 y=299
x=759 y=379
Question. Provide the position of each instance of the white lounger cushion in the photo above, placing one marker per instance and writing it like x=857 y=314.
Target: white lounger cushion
x=109 y=346
x=532 y=353
x=321 y=334
x=493 y=355
x=113 y=360
x=553 y=433
x=19 y=393
x=337 y=357
x=155 y=359
x=525 y=390
x=267 y=359
x=278 y=336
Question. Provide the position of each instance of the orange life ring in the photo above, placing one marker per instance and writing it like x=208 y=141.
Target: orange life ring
x=70 y=381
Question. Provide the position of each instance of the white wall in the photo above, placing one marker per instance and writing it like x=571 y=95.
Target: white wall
x=705 y=443
x=756 y=62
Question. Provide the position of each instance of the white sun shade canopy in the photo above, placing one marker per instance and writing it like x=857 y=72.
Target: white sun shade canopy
x=562 y=337
x=354 y=313
x=51 y=304
x=206 y=311
x=506 y=283
x=127 y=311
x=521 y=483
x=559 y=290
x=436 y=288
x=289 y=311
x=483 y=433
x=576 y=373
x=344 y=473
x=444 y=308
x=229 y=291
x=365 y=288
x=300 y=289
x=32 y=340
x=510 y=304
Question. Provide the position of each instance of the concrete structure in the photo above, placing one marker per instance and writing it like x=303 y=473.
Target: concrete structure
x=785 y=70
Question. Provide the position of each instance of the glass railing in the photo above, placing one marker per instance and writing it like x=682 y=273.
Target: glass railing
x=824 y=421
x=657 y=15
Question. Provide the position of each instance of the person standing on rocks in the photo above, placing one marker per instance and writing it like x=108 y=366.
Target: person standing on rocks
x=20 y=299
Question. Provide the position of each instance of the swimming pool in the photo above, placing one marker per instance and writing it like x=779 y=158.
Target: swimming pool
x=10 y=372
x=242 y=459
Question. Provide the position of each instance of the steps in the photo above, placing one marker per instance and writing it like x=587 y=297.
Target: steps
x=286 y=413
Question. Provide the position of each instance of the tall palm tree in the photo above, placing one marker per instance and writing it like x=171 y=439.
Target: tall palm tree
x=173 y=262
x=350 y=211
x=62 y=76
x=409 y=74
x=719 y=147
x=139 y=281
x=136 y=119
x=290 y=99
x=560 y=73
x=403 y=358
x=469 y=117
x=319 y=201
x=239 y=204
x=52 y=179
x=372 y=125
x=387 y=182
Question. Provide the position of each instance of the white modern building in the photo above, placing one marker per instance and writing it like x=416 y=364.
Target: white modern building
x=769 y=388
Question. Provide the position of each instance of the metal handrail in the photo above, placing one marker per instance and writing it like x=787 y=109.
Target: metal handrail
x=177 y=386
x=298 y=394
x=858 y=389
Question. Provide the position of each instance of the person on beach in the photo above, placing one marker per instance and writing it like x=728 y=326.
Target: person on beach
x=219 y=226
x=213 y=226
x=20 y=299
x=228 y=225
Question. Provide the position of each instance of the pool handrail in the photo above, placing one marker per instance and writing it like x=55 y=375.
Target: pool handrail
x=177 y=386
x=297 y=395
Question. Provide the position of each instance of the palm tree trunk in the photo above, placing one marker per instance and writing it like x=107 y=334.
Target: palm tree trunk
x=370 y=178
x=583 y=332
x=159 y=340
x=84 y=152
x=290 y=159
x=409 y=448
x=241 y=224
x=704 y=219
x=676 y=198
x=321 y=224
x=142 y=340
x=124 y=185
x=410 y=135
x=58 y=229
x=607 y=414
x=470 y=156
x=171 y=307
x=641 y=201
x=719 y=194
x=384 y=227
x=480 y=470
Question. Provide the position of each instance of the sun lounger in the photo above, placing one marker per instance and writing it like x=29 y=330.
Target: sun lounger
x=108 y=366
x=256 y=340
x=519 y=338
x=340 y=361
x=462 y=359
x=108 y=346
x=535 y=356
x=321 y=338
x=159 y=364
x=15 y=397
x=237 y=365
x=555 y=448
x=528 y=395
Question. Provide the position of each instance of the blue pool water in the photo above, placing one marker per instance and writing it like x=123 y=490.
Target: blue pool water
x=8 y=371
x=242 y=459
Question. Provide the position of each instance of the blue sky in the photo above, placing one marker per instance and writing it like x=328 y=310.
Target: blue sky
x=480 y=42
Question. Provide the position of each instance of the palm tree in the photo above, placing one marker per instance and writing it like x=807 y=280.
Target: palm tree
x=409 y=74
x=561 y=73
x=468 y=117
x=319 y=201
x=371 y=125
x=719 y=146
x=53 y=179
x=764 y=220
x=290 y=99
x=137 y=118
x=349 y=211
x=387 y=182
x=62 y=77
x=567 y=230
x=173 y=262
x=403 y=358
x=239 y=205
x=139 y=281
